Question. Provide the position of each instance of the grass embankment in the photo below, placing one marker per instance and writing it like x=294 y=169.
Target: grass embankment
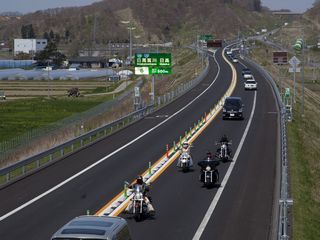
x=18 y=117
x=304 y=157
x=303 y=146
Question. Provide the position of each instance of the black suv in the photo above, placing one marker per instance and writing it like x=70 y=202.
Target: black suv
x=233 y=108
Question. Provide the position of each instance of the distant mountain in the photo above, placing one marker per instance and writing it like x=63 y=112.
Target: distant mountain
x=11 y=14
x=154 y=21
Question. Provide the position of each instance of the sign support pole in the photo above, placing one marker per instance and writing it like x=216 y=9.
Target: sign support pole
x=152 y=89
x=294 y=81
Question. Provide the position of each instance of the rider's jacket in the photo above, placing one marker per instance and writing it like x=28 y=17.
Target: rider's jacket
x=145 y=188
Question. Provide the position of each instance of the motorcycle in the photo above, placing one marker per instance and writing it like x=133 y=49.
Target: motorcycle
x=223 y=152
x=209 y=174
x=139 y=206
x=185 y=161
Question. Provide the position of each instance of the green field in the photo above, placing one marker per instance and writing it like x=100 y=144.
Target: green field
x=20 y=116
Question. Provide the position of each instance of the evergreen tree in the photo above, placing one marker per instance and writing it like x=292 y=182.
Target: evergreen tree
x=51 y=36
x=257 y=5
x=46 y=36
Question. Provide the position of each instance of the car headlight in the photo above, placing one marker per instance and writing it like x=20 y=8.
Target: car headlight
x=208 y=168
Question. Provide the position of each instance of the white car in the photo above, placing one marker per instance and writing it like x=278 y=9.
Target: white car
x=229 y=52
x=247 y=76
x=235 y=60
x=250 y=84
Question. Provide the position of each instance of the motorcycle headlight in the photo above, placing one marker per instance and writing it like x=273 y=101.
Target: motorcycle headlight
x=138 y=196
x=208 y=168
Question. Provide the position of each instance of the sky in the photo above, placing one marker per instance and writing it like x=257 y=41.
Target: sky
x=25 y=6
x=293 y=5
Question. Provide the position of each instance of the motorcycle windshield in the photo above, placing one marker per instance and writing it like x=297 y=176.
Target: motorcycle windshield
x=210 y=163
x=138 y=188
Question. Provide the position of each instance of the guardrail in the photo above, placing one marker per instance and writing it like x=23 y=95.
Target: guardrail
x=25 y=167
x=284 y=201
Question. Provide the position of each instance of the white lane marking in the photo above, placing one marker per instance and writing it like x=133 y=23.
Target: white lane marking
x=109 y=155
x=215 y=200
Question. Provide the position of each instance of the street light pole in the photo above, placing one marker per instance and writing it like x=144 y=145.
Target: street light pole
x=130 y=37
x=48 y=80
x=302 y=75
x=130 y=29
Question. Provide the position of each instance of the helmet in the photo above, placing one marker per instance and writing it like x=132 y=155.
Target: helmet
x=140 y=180
x=224 y=138
x=185 y=144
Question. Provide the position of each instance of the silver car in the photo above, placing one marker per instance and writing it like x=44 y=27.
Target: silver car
x=94 y=227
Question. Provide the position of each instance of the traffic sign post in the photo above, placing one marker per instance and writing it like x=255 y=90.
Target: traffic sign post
x=294 y=62
x=152 y=64
x=288 y=103
x=299 y=48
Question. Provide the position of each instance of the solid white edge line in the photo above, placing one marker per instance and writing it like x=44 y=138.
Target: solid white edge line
x=3 y=217
x=215 y=200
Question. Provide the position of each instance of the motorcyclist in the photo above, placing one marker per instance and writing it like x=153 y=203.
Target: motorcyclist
x=208 y=158
x=185 y=147
x=208 y=161
x=185 y=154
x=209 y=155
x=224 y=140
x=145 y=189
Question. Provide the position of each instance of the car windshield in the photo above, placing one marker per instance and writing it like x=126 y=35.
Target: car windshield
x=233 y=103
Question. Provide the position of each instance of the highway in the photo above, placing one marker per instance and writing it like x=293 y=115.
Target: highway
x=245 y=206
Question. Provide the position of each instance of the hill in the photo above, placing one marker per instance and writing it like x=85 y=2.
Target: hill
x=155 y=20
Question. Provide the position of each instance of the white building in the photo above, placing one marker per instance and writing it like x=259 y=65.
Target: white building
x=29 y=46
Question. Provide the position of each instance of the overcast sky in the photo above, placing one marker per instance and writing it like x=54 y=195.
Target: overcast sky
x=293 y=5
x=25 y=6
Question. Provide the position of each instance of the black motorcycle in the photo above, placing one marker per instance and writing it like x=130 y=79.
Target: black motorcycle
x=209 y=173
x=224 y=151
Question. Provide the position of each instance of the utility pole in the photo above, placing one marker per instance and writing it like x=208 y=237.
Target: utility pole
x=302 y=76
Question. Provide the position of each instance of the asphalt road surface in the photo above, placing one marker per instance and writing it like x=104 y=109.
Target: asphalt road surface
x=243 y=211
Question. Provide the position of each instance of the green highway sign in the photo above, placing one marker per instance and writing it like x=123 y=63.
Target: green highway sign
x=152 y=70
x=206 y=37
x=153 y=60
x=160 y=70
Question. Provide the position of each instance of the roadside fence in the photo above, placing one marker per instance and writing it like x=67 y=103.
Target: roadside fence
x=27 y=166
x=283 y=199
